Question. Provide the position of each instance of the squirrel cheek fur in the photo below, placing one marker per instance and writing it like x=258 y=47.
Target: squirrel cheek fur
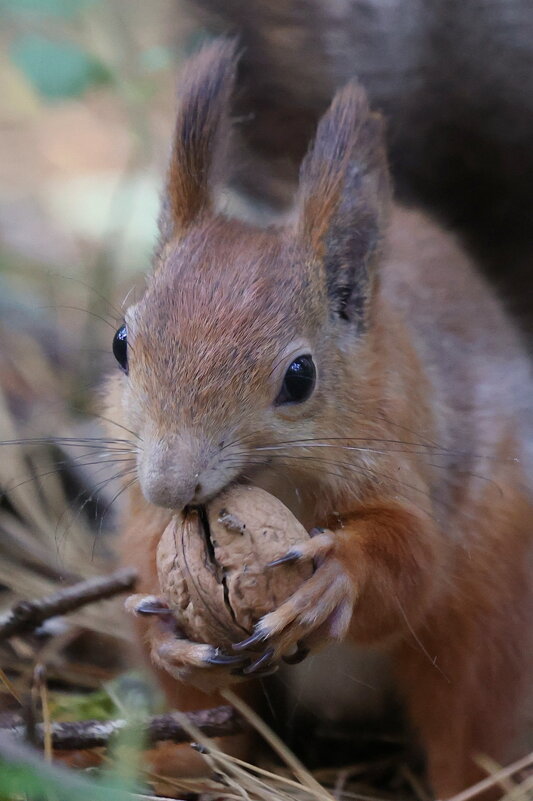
x=417 y=413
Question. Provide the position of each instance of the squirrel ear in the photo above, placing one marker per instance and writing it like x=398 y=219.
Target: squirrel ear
x=344 y=197
x=202 y=130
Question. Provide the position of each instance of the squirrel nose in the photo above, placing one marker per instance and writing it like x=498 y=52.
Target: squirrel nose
x=171 y=494
x=168 y=475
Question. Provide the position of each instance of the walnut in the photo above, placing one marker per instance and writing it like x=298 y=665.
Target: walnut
x=212 y=564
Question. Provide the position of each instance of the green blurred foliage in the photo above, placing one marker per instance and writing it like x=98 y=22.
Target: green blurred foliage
x=56 y=8
x=129 y=695
x=56 y=68
x=157 y=58
x=20 y=781
x=68 y=706
x=87 y=200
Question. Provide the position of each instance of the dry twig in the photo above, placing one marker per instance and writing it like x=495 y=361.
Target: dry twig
x=220 y=721
x=28 y=615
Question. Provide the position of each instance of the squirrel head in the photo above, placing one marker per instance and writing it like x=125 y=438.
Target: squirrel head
x=241 y=340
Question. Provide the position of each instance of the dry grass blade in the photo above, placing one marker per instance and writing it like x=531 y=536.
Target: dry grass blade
x=268 y=774
x=522 y=792
x=142 y=797
x=500 y=775
x=240 y=779
x=43 y=542
x=8 y=684
x=250 y=781
x=42 y=688
x=278 y=746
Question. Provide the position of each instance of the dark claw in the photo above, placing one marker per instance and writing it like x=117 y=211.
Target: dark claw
x=262 y=662
x=152 y=608
x=298 y=656
x=292 y=556
x=268 y=671
x=255 y=639
x=226 y=659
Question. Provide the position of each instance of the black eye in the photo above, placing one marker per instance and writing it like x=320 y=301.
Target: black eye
x=299 y=381
x=120 y=347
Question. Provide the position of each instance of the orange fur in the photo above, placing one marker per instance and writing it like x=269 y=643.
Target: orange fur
x=418 y=466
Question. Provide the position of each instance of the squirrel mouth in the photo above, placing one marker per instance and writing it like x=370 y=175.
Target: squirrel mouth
x=248 y=479
x=240 y=480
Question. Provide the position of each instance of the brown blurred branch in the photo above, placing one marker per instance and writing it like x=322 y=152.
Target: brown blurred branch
x=220 y=721
x=28 y=615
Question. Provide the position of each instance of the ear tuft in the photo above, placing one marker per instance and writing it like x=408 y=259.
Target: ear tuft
x=202 y=131
x=344 y=197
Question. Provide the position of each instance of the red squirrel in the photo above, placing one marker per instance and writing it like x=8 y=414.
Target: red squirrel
x=353 y=362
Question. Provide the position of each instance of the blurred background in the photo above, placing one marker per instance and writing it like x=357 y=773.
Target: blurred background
x=87 y=93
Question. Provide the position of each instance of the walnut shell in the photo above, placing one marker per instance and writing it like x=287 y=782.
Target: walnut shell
x=212 y=564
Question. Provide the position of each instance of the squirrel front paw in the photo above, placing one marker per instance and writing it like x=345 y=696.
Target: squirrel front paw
x=200 y=664
x=319 y=612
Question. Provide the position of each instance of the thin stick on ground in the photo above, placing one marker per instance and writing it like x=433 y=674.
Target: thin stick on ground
x=29 y=615
x=221 y=721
